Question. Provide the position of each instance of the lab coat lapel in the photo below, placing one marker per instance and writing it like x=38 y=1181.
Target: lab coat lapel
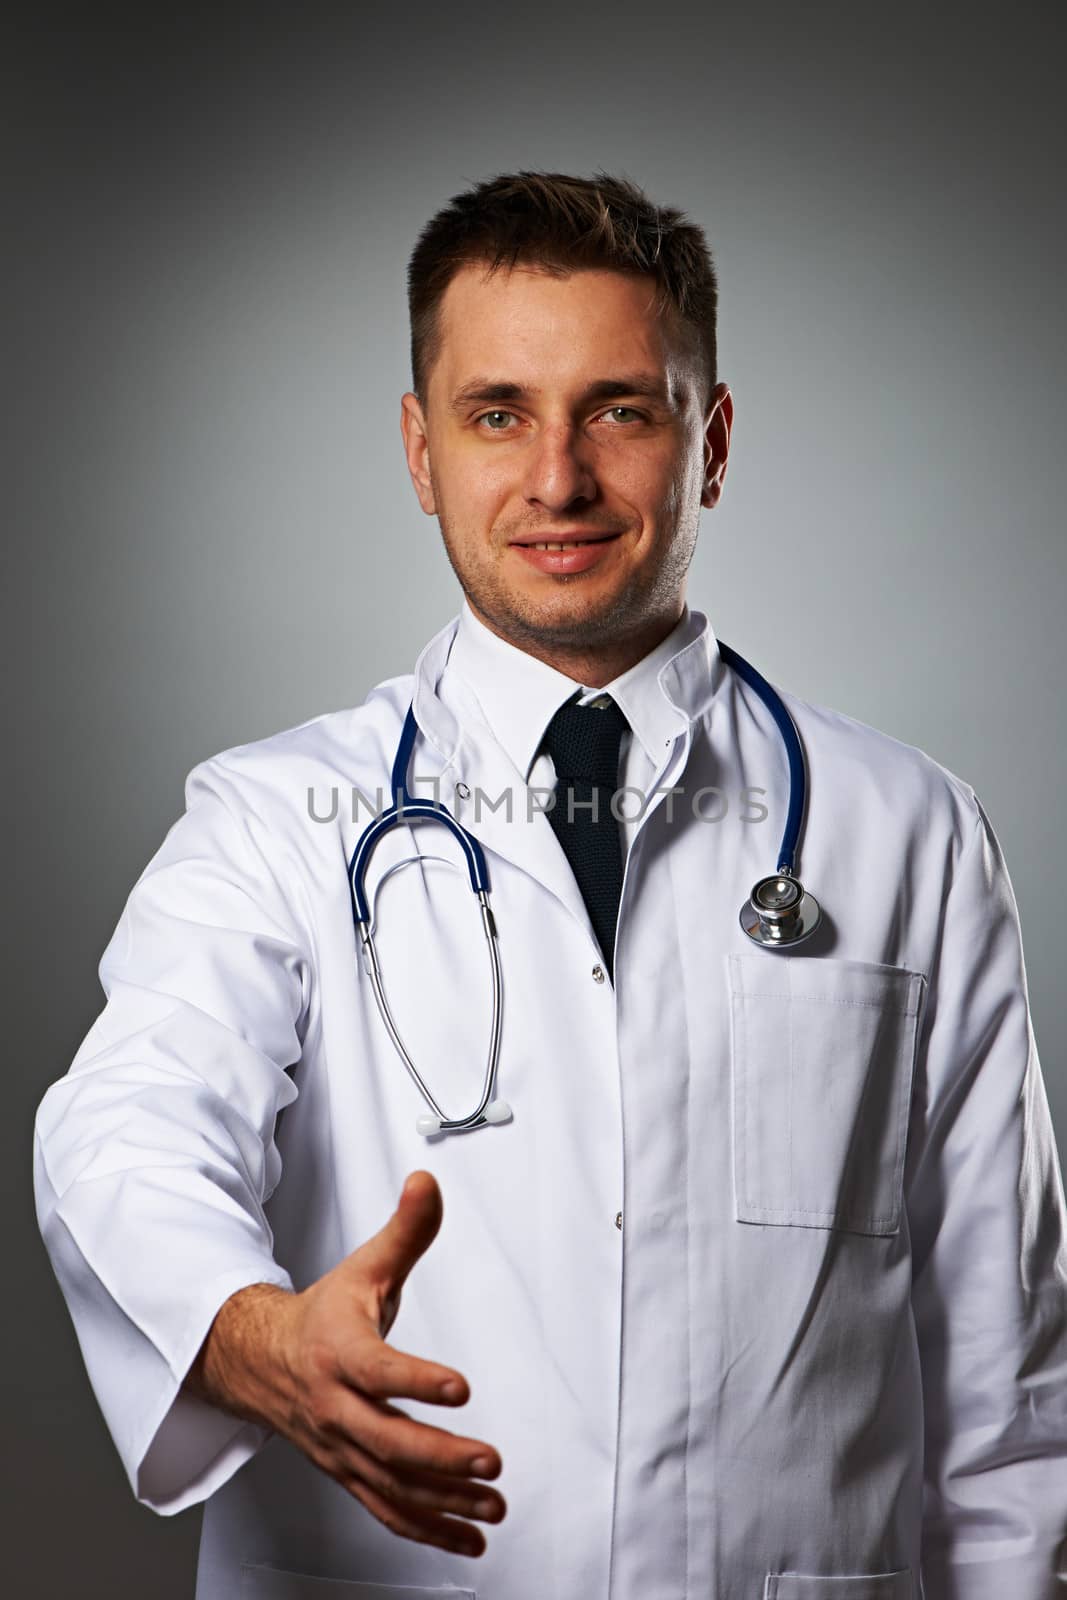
x=499 y=811
x=507 y=819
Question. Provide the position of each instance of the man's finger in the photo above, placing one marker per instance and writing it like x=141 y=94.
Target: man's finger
x=441 y=1493
x=424 y=1527
x=383 y=1372
x=389 y=1255
x=400 y=1442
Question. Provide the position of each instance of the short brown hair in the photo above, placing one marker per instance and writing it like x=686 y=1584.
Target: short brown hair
x=561 y=224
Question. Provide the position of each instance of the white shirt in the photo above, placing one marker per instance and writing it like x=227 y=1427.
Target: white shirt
x=823 y=1354
x=516 y=695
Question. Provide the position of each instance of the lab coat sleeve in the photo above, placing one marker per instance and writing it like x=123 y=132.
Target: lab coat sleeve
x=989 y=1242
x=155 y=1154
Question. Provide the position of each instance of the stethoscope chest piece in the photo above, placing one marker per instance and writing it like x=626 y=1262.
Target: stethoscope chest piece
x=779 y=912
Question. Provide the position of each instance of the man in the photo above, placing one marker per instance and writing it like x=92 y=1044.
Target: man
x=761 y=1290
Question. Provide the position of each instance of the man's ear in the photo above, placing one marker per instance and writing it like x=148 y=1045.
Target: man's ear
x=717 y=424
x=417 y=451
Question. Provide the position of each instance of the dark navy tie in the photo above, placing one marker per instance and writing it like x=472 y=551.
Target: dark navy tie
x=584 y=742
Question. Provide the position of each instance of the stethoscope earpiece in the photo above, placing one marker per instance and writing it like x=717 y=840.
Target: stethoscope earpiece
x=495 y=1111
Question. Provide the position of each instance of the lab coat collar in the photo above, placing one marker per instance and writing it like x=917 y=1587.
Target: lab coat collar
x=516 y=693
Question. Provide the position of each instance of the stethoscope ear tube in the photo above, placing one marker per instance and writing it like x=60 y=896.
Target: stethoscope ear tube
x=488 y=1109
x=407 y=808
x=410 y=809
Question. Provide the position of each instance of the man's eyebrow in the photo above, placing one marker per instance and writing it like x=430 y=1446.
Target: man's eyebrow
x=648 y=384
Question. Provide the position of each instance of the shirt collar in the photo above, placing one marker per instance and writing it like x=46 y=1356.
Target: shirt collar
x=517 y=694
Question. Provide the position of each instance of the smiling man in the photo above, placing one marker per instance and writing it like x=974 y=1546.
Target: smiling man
x=613 y=439
x=755 y=1287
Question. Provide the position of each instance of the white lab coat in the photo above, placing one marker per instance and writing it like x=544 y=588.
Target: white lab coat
x=825 y=1355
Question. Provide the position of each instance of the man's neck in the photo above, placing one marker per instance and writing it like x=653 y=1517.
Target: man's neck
x=593 y=666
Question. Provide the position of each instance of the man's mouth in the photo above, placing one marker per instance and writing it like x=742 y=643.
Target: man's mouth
x=571 y=553
x=565 y=541
x=571 y=544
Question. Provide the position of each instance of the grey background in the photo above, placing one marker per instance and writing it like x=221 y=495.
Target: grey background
x=212 y=534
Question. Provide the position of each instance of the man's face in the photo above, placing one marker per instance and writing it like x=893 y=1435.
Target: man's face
x=562 y=407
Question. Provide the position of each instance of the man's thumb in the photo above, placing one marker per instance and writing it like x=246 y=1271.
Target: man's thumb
x=389 y=1255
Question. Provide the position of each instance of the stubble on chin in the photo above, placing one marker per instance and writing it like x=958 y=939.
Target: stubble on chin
x=577 y=624
x=580 y=621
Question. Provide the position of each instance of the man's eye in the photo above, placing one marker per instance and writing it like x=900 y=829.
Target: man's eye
x=489 y=416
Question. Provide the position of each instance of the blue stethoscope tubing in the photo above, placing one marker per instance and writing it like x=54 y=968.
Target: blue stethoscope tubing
x=778 y=913
x=408 y=808
x=798 y=786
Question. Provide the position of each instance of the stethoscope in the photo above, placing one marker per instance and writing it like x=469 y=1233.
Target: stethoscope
x=778 y=913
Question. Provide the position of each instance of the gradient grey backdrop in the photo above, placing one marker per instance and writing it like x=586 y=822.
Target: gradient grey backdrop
x=208 y=221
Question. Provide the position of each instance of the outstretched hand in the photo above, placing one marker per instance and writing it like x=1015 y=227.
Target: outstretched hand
x=317 y=1369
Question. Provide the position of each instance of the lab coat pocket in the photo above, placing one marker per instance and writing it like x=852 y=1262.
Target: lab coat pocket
x=272 y=1583
x=860 y=1586
x=822 y=1053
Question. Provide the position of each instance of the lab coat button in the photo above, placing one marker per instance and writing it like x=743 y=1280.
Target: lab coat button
x=618 y=1219
x=598 y=973
x=463 y=791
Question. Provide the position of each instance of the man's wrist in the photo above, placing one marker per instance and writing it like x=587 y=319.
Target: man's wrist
x=240 y=1366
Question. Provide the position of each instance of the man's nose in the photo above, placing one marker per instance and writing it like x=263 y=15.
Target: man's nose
x=559 y=470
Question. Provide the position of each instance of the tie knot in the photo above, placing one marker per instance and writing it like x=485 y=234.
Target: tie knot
x=584 y=741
